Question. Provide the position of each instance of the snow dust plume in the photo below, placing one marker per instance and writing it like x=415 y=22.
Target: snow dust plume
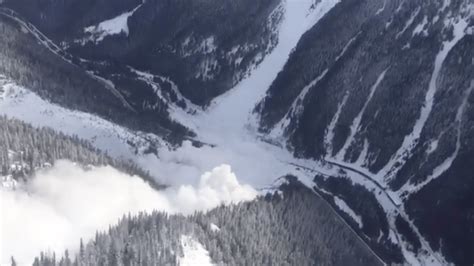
x=65 y=203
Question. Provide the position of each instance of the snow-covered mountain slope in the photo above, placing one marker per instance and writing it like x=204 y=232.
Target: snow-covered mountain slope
x=205 y=47
x=384 y=89
x=34 y=61
x=119 y=142
x=373 y=97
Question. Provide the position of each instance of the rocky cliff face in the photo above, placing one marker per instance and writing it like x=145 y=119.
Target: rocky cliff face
x=385 y=87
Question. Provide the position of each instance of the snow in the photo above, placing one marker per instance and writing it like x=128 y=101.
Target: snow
x=363 y=155
x=346 y=47
x=109 y=137
x=111 y=87
x=172 y=107
x=296 y=108
x=400 y=6
x=342 y=205
x=420 y=28
x=208 y=45
x=433 y=146
x=193 y=253
x=8 y=182
x=393 y=237
x=410 y=141
x=214 y=228
x=390 y=204
x=55 y=49
x=207 y=69
x=230 y=112
x=329 y=136
x=114 y=26
x=408 y=23
x=470 y=30
x=381 y=9
x=446 y=164
x=355 y=127
x=446 y=4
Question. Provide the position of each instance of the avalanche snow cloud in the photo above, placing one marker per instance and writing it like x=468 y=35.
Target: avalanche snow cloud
x=67 y=202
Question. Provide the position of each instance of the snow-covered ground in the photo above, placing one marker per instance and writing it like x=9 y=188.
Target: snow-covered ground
x=355 y=127
x=18 y=102
x=342 y=205
x=194 y=253
x=390 y=170
x=214 y=228
x=114 y=26
x=228 y=124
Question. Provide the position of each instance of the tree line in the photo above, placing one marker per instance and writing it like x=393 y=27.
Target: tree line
x=291 y=228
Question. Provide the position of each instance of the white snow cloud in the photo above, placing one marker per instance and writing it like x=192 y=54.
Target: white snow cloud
x=65 y=203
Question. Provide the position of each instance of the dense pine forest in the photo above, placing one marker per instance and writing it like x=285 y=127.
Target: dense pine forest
x=24 y=149
x=293 y=227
